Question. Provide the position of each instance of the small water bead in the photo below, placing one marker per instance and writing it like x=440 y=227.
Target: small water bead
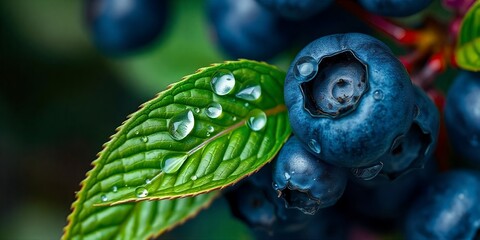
x=104 y=198
x=208 y=134
x=234 y=118
x=181 y=125
x=148 y=181
x=314 y=146
x=223 y=82
x=305 y=68
x=210 y=129
x=196 y=110
x=246 y=104
x=213 y=110
x=141 y=192
x=173 y=163
x=378 y=95
x=367 y=173
x=144 y=139
x=287 y=176
x=250 y=93
x=257 y=120
x=137 y=132
x=194 y=177
x=114 y=189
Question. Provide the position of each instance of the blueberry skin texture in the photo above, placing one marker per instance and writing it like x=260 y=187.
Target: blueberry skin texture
x=296 y=9
x=122 y=26
x=447 y=209
x=394 y=8
x=245 y=29
x=359 y=138
x=462 y=116
x=412 y=150
x=305 y=182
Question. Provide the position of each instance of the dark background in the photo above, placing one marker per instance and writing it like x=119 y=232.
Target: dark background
x=60 y=100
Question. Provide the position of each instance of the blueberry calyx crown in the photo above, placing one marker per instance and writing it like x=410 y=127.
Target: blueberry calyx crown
x=336 y=86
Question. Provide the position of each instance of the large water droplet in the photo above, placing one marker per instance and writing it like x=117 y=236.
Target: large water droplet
x=222 y=82
x=141 y=192
x=104 y=198
x=314 y=146
x=305 y=68
x=144 y=139
x=173 y=163
x=474 y=141
x=115 y=189
x=367 y=173
x=257 y=120
x=250 y=93
x=378 y=95
x=214 y=110
x=181 y=125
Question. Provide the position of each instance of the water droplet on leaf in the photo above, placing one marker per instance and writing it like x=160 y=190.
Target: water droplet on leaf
x=181 y=125
x=250 y=93
x=144 y=139
x=104 y=198
x=194 y=177
x=214 y=110
x=222 y=82
x=148 y=181
x=141 y=192
x=115 y=189
x=257 y=120
x=173 y=163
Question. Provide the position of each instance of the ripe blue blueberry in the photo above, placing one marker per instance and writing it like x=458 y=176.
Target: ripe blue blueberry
x=305 y=182
x=448 y=209
x=256 y=203
x=296 y=9
x=121 y=26
x=411 y=150
x=348 y=98
x=394 y=8
x=245 y=29
x=462 y=115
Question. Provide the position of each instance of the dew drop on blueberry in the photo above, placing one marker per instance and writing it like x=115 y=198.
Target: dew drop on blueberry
x=314 y=146
x=306 y=68
x=378 y=95
x=367 y=173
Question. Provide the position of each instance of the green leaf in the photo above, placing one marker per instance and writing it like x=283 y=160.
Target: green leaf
x=146 y=160
x=140 y=220
x=467 y=53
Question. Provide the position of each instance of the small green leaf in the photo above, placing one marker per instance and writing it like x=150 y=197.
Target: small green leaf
x=206 y=132
x=140 y=220
x=467 y=53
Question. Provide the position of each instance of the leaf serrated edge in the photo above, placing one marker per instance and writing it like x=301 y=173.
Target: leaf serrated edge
x=461 y=48
x=93 y=164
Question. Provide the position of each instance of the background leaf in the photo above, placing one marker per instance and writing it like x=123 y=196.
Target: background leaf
x=218 y=151
x=468 y=49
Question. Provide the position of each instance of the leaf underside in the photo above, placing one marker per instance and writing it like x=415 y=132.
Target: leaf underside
x=468 y=48
x=218 y=152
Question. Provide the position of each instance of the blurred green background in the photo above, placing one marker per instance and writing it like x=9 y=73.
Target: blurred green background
x=60 y=100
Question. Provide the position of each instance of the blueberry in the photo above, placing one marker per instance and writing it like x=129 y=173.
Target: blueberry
x=296 y=9
x=245 y=29
x=447 y=209
x=462 y=116
x=394 y=8
x=256 y=203
x=121 y=26
x=348 y=98
x=305 y=182
x=411 y=150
